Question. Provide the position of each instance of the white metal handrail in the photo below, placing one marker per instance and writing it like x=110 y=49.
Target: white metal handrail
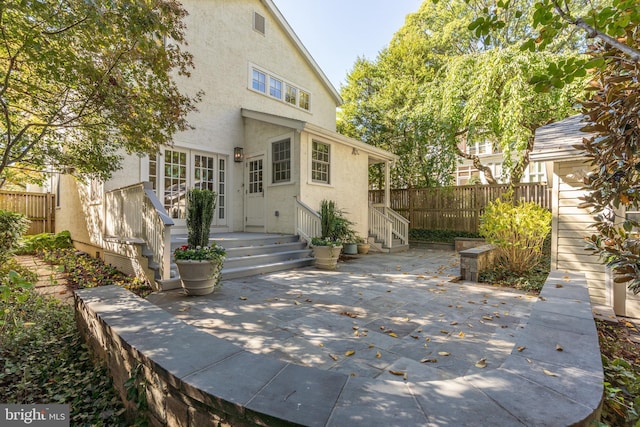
x=136 y=212
x=307 y=222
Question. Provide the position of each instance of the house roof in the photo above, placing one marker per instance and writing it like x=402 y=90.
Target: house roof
x=556 y=141
x=375 y=154
x=305 y=53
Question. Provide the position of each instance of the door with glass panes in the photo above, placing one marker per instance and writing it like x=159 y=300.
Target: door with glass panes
x=176 y=170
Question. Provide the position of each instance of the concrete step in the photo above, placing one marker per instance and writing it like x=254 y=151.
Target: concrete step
x=265 y=258
x=238 y=272
x=241 y=251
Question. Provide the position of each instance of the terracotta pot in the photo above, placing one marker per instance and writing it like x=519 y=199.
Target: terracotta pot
x=326 y=256
x=363 y=248
x=198 y=277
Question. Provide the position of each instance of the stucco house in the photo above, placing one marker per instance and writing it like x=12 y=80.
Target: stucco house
x=554 y=145
x=264 y=139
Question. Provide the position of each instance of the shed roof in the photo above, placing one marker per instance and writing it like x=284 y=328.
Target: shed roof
x=556 y=141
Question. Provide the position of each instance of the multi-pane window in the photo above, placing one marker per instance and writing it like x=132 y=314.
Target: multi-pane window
x=259 y=81
x=320 y=162
x=479 y=148
x=153 y=170
x=536 y=172
x=222 y=183
x=255 y=176
x=281 y=161
x=303 y=101
x=279 y=89
x=175 y=183
x=291 y=95
x=275 y=88
x=203 y=172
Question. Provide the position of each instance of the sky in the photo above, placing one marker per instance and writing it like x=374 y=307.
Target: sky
x=337 y=32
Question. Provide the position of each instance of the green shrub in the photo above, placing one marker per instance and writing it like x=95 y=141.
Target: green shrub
x=200 y=207
x=32 y=244
x=445 y=236
x=43 y=359
x=12 y=227
x=518 y=231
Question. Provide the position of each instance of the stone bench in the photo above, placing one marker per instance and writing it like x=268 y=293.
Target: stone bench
x=475 y=260
x=194 y=378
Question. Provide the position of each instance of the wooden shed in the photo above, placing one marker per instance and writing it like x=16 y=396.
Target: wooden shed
x=554 y=144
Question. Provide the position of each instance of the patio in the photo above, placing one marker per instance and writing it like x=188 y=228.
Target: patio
x=384 y=340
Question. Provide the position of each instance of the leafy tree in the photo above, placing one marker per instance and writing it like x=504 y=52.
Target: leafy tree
x=438 y=85
x=613 y=33
x=81 y=82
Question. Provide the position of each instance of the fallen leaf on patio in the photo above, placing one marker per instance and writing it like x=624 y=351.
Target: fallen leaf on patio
x=444 y=353
x=428 y=360
x=356 y=333
x=348 y=313
x=419 y=330
x=559 y=285
x=470 y=302
x=559 y=347
x=406 y=319
x=334 y=357
x=566 y=278
x=458 y=306
x=371 y=345
x=444 y=331
x=378 y=355
x=487 y=317
x=308 y=300
x=551 y=374
x=427 y=339
x=461 y=334
x=398 y=373
x=453 y=323
x=542 y=298
x=296 y=303
x=320 y=345
x=355 y=328
x=529 y=361
x=243 y=298
x=441 y=315
x=388 y=290
x=628 y=324
x=350 y=353
x=415 y=337
x=521 y=348
x=382 y=328
x=185 y=309
x=393 y=334
x=482 y=363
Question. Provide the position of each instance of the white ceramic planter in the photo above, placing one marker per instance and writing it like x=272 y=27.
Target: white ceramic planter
x=198 y=277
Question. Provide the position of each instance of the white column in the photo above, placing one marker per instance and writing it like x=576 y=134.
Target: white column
x=387 y=184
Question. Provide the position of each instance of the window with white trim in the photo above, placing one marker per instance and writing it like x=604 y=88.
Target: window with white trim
x=536 y=172
x=479 y=148
x=259 y=81
x=281 y=161
x=320 y=162
x=279 y=89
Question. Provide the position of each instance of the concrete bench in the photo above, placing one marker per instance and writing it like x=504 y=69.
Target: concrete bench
x=475 y=260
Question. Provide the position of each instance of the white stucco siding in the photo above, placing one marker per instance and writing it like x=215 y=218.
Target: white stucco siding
x=349 y=181
x=224 y=44
x=573 y=225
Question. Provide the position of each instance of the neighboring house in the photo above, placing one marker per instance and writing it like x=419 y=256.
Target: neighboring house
x=554 y=144
x=264 y=140
x=466 y=173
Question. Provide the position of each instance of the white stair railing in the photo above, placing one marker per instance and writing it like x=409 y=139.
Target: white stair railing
x=307 y=222
x=387 y=224
x=134 y=212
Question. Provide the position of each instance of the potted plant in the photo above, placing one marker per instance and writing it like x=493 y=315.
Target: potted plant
x=349 y=239
x=199 y=263
x=362 y=245
x=327 y=247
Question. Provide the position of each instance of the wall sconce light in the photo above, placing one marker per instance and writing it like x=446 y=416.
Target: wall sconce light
x=355 y=152
x=238 y=154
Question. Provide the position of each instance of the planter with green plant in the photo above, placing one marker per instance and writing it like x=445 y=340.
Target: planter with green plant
x=327 y=246
x=199 y=263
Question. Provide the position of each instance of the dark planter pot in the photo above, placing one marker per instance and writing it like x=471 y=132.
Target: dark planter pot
x=350 y=248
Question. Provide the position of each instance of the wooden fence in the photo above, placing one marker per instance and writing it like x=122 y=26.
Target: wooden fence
x=455 y=208
x=38 y=207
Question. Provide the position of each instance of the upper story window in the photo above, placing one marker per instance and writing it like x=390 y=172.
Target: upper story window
x=320 y=162
x=281 y=161
x=536 y=172
x=279 y=89
x=479 y=148
x=259 y=81
x=275 y=88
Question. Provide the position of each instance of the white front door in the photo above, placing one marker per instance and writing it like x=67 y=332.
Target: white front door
x=177 y=170
x=254 y=194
